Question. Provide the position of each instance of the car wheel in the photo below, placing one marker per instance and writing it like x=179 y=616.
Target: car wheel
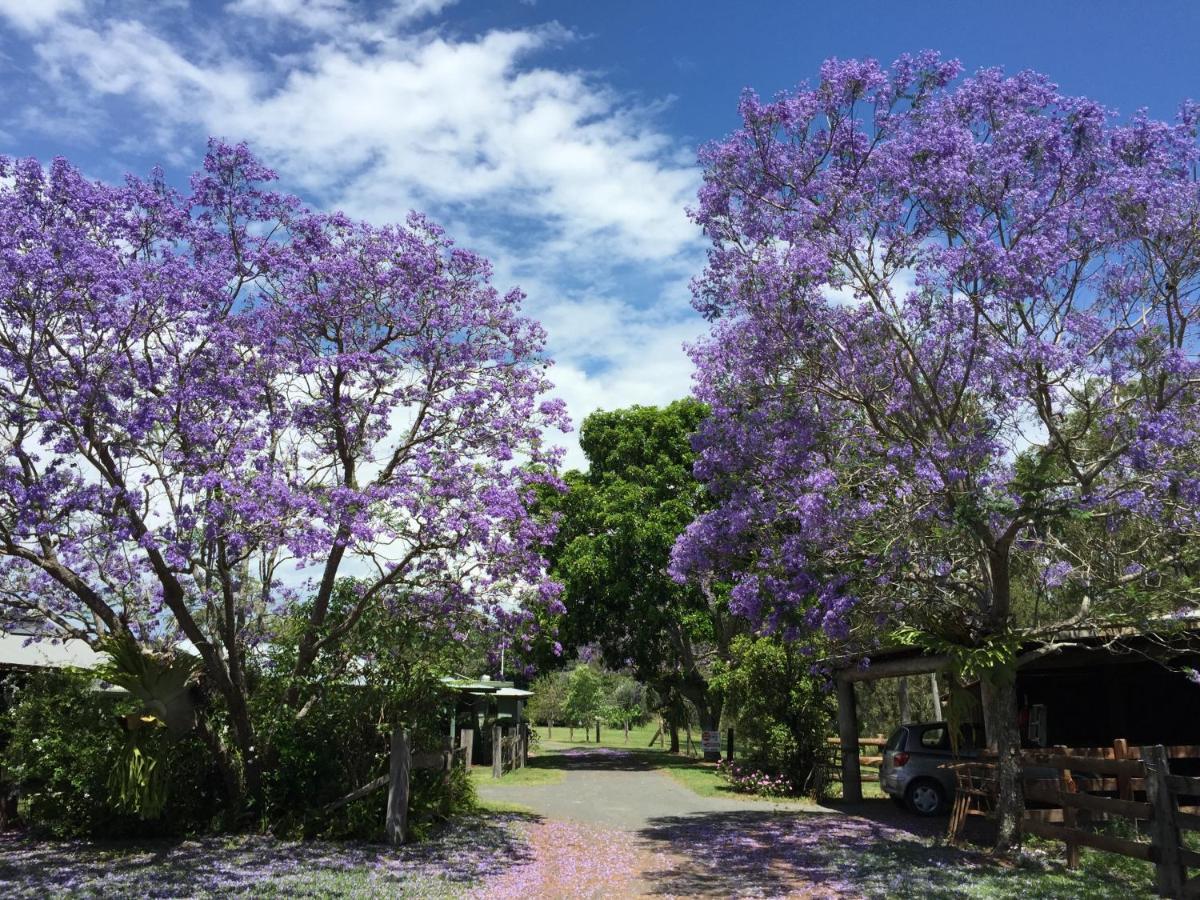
x=925 y=797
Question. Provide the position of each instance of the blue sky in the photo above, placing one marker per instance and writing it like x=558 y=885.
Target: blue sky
x=558 y=137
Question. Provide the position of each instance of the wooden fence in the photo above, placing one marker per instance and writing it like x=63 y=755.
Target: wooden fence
x=510 y=748
x=1074 y=788
x=829 y=768
x=402 y=762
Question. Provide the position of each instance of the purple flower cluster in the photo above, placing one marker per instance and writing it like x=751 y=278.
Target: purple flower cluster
x=947 y=314
x=198 y=391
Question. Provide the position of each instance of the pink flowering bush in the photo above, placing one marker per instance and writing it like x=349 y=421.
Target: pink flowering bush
x=748 y=779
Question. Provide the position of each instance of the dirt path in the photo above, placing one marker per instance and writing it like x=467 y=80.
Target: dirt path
x=618 y=826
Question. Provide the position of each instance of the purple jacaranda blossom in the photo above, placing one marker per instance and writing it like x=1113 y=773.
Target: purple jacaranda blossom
x=952 y=326
x=201 y=391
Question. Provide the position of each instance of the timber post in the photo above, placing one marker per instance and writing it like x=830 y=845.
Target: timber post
x=729 y=746
x=1124 y=784
x=1169 y=871
x=848 y=735
x=466 y=737
x=1066 y=784
x=398 y=783
x=497 y=751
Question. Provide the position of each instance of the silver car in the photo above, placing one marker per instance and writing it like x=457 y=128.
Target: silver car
x=916 y=768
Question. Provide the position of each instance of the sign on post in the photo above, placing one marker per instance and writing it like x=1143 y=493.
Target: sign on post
x=710 y=742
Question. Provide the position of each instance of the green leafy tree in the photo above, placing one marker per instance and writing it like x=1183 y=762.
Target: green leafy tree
x=549 y=700
x=626 y=702
x=618 y=523
x=585 y=696
x=782 y=711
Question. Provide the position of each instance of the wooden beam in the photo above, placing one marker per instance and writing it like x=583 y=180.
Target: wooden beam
x=1170 y=871
x=1088 y=839
x=893 y=668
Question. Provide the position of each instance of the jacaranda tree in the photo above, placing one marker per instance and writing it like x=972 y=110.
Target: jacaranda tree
x=213 y=404
x=953 y=322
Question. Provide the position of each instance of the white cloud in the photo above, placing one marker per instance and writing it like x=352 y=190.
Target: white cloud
x=30 y=15
x=328 y=15
x=549 y=172
x=127 y=58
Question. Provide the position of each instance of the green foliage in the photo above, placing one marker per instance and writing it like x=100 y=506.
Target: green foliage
x=618 y=524
x=625 y=702
x=549 y=698
x=585 y=695
x=63 y=744
x=162 y=681
x=138 y=783
x=385 y=673
x=780 y=712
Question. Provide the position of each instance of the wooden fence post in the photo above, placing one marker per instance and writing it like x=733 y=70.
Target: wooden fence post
x=398 y=771
x=524 y=745
x=497 y=751
x=1169 y=870
x=467 y=737
x=597 y=731
x=1066 y=784
x=1124 y=787
x=729 y=746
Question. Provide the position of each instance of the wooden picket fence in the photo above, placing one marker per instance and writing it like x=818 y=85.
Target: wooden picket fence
x=1101 y=784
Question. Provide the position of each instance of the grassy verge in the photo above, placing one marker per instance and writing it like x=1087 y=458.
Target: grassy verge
x=540 y=770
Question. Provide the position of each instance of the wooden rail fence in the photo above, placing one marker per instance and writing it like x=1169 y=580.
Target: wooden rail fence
x=829 y=768
x=402 y=762
x=1145 y=789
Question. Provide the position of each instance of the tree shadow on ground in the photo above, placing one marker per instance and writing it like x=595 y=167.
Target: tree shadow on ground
x=598 y=759
x=468 y=850
x=779 y=854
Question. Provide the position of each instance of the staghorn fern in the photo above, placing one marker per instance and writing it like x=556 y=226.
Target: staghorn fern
x=162 y=681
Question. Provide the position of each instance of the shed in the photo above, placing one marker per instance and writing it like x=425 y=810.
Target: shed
x=1095 y=686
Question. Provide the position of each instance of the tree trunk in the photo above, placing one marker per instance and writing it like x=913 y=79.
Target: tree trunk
x=674 y=735
x=999 y=693
x=1006 y=737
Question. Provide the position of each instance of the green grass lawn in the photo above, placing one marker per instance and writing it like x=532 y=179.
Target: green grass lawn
x=542 y=769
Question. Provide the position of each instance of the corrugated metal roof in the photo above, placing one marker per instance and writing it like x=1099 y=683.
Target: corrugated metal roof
x=45 y=654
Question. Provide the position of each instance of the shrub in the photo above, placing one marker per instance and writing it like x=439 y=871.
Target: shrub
x=746 y=779
x=63 y=744
x=780 y=712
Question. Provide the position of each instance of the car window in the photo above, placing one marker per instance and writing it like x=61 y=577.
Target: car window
x=935 y=738
x=896 y=741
